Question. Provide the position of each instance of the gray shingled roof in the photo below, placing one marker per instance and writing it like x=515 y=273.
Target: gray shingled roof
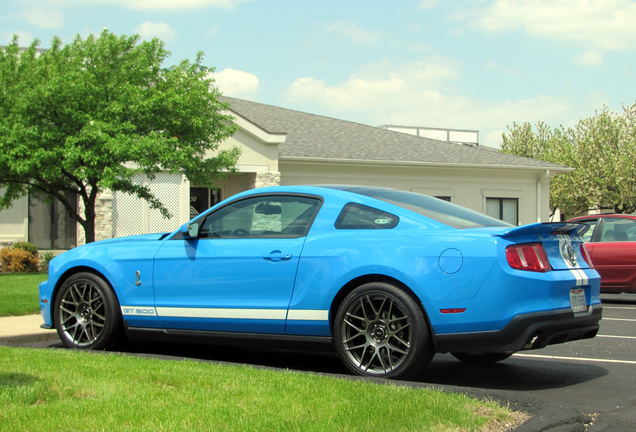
x=318 y=137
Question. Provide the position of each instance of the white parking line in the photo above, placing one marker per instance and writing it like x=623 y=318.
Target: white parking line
x=619 y=308
x=619 y=319
x=582 y=359
x=617 y=337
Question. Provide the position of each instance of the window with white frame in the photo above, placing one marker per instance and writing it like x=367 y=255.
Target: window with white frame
x=506 y=209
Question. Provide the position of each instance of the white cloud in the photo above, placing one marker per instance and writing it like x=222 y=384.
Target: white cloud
x=428 y=4
x=41 y=17
x=421 y=94
x=210 y=32
x=25 y=38
x=355 y=33
x=377 y=83
x=161 y=30
x=590 y=58
x=172 y=4
x=236 y=83
x=602 y=24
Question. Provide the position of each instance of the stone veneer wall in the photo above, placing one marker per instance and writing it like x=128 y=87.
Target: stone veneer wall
x=103 y=218
x=265 y=179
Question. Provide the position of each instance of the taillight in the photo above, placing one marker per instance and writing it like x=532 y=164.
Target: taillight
x=586 y=256
x=529 y=257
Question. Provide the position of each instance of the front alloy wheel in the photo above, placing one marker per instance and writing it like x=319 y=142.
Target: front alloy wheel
x=380 y=331
x=87 y=315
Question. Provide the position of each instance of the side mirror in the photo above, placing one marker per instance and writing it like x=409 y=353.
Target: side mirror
x=190 y=230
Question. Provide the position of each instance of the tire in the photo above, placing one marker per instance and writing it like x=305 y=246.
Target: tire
x=380 y=331
x=87 y=314
x=481 y=358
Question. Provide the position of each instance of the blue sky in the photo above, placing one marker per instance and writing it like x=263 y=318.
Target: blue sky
x=464 y=64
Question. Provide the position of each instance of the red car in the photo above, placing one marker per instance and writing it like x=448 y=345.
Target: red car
x=611 y=243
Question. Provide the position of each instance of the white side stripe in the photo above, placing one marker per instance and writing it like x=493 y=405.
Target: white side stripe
x=273 y=314
x=227 y=313
x=308 y=315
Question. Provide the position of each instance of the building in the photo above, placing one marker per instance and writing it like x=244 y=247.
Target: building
x=282 y=146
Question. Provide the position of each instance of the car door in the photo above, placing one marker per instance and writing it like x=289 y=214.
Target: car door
x=613 y=252
x=238 y=273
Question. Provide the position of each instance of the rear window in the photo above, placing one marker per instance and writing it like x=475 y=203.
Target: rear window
x=441 y=211
x=358 y=216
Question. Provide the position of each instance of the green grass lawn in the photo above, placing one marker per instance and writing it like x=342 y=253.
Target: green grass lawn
x=70 y=390
x=19 y=293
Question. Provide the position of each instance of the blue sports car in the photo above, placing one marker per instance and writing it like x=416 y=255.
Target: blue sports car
x=389 y=277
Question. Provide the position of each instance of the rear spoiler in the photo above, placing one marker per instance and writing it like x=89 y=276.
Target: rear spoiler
x=552 y=228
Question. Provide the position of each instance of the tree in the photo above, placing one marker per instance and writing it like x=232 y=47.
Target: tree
x=601 y=149
x=90 y=115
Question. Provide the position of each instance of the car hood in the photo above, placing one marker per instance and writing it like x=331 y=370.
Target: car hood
x=129 y=239
x=95 y=251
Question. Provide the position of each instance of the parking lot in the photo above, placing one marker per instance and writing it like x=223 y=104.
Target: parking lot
x=595 y=377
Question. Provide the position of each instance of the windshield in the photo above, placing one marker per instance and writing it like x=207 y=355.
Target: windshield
x=439 y=210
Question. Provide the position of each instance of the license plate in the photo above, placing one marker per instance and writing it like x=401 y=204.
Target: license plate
x=577 y=300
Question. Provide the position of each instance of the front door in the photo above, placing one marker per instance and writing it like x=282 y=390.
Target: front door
x=239 y=273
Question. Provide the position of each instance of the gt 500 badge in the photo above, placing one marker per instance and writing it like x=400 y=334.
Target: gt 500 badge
x=138 y=310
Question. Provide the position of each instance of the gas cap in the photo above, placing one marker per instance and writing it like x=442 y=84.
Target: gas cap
x=450 y=261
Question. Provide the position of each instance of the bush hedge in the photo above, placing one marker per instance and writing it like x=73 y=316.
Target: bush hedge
x=22 y=257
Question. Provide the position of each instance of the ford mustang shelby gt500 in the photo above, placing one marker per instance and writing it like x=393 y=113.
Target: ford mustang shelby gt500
x=389 y=277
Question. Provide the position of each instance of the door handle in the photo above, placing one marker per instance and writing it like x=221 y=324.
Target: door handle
x=277 y=256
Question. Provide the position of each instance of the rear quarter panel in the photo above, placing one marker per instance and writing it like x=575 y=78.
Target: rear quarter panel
x=411 y=256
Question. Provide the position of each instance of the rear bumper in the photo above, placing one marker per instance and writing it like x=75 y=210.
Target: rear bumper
x=528 y=331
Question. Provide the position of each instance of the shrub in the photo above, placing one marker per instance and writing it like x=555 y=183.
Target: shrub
x=29 y=247
x=45 y=259
x=18 y=260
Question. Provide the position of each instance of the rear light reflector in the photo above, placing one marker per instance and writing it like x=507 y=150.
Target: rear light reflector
x=528 y=257
x=586 y=256
x=453 y=310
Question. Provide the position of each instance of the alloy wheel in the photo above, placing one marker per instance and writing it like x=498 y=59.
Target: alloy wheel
x=376 y=333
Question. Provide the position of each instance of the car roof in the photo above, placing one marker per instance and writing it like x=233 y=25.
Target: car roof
x=604 y=215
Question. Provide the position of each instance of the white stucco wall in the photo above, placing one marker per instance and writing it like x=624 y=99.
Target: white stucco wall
x=468 y=187
x=14 y=221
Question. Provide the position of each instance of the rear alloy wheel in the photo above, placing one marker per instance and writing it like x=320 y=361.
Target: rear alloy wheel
x=87 y=313
x=481 y=358
x=380 y=331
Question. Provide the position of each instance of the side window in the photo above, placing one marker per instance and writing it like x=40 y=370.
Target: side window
x=618 y=230
x=262 y=217
x=588 y=234
x=357 y=216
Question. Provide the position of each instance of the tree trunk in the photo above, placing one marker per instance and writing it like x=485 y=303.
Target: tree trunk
x=89 y=216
